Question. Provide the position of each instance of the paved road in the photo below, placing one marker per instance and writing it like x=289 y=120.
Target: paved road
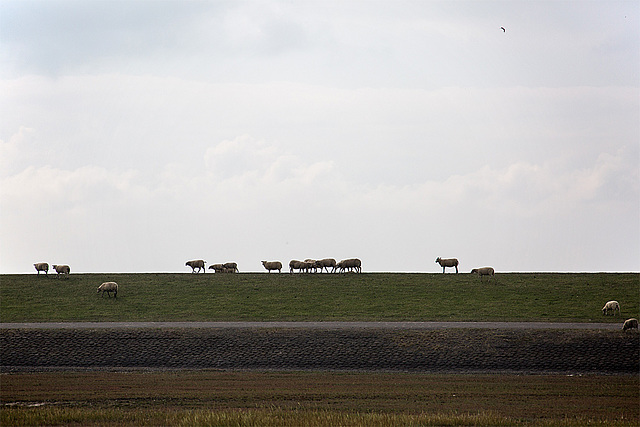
x=313 y=325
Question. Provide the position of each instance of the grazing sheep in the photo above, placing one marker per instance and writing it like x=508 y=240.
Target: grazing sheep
x=352 y=264
x=272 y=265
x=62 y=269
x=326 y=263
x=197 y=263
x=232 y=266
x=611 y=305
x=218 y=268
x=449 y=262
x=294 y=264
x=630 y=324
x=42 y=266
x=109 y=287
x=484 y=271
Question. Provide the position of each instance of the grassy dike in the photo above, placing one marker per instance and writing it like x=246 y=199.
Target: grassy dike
x=320 y=297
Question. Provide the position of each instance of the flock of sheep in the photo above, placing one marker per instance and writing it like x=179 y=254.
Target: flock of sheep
x=63 y=270
x=307 y=266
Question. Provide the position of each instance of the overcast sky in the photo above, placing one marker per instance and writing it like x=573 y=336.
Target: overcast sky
x=137 y=135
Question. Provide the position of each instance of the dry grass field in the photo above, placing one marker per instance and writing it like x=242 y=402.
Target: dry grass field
x=313 y=398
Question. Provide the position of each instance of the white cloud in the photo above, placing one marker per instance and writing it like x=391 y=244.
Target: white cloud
x=15 y=150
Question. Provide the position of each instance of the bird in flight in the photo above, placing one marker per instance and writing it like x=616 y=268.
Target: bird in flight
x=503 y=30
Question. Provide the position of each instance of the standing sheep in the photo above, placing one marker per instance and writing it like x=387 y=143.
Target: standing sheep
x=484 y=271
x=351 y=264
x=42 y=266
x=611 y=305
x=326 y=263
x=449 y=262
x=217 y=268
x=311 y=264
x=630 y=324
x=231 y=266
x=109 y=287
x=294 y=264
x=197 y=263
x=272 y=265
x=62 y=269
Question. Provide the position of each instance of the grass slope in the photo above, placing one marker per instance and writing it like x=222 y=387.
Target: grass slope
x=320 y=297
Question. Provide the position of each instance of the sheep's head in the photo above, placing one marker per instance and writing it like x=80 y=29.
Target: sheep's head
x=438 y=260
x=475 y=270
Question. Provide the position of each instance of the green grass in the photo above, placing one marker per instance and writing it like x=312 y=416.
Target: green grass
x=320 y=297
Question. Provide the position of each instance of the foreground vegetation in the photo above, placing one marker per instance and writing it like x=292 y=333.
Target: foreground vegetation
x=319 y=297
x=211 y=398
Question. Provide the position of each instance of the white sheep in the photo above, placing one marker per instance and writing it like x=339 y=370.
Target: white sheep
x=326 y=263
x=42 y=266
x=272 y=265
x=611 y=305
x=231 y=266
x=448 y=262
x=352 y=264
x=484 y=271
x=218 y=268
x=311 y=264
x=197 y=263
x=109 y=287
x=62 y=269
x=294 y=264
x=630 y=324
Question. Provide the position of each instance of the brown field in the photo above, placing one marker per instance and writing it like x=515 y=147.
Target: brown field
x=316 y=398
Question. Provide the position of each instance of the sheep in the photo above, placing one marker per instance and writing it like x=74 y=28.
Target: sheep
x=294 y=264
x=232 y=266
x=326 y=263
x=272 y=265
x=109 y=287
x=218 y=268
x=484 y=271
x=353 y=264
x=630 y=324
x=449 y=262
x=611 y=305
x=311 y=263
x=62 y=269
x=197 y=263
x=42 y=266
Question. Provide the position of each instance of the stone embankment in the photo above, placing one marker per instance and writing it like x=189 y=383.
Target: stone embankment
x=450 y=350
